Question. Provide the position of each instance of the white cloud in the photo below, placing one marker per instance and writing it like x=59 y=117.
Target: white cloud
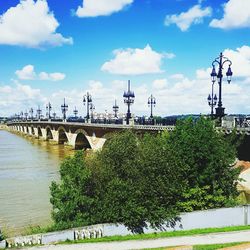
x=241 y=61
x=134 y=62
x=169 y=55
x=95 y=85
x=21 y=97
x=177 y=77
x=160 y=83
x=28 y=73
x=31 y=24
x=184 y=20
x=236 y=15
x=203 y=73
x=93 y=8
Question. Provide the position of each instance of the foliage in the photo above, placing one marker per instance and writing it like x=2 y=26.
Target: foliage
x=201 y=198
x=73 y=199
x=141 y=185
x=142 y=180
x=209 y=157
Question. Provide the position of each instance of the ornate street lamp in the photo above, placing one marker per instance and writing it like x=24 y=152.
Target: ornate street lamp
x=212 y=99
x=21 y=115
x=75 y=111
x=54 y=115
x=31 y=113
x=92 y=108
x=221 y=60
x=39 y=113
x=129 y=98
x=26 y=115
x=48 y=109
x=151 y=104
x=87 y=100
x=64 y=108
x=116 y=109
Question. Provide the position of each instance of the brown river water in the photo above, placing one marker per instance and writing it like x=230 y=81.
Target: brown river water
x=27 y=167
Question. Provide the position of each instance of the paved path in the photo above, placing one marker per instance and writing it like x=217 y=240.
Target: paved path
x=214 y=238
x=238 y=247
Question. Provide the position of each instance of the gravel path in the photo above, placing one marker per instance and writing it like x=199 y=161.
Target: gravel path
x=214 y=238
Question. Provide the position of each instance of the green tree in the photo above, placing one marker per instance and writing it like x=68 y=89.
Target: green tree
x=209 y=157
x=73 y=199
x=144 y=180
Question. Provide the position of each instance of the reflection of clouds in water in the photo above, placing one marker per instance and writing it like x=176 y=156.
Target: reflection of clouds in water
x=27 y=167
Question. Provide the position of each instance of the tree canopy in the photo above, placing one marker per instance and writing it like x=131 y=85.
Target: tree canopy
x=141 y=180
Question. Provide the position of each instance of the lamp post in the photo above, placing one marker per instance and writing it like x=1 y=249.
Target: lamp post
x=87 y=100
x=92 y=108
x=39 y=113
x=54 y=115
x=64 y=108
x=151 y=104
x=26 y=115
x=21 y=115
x=129 y=98
x=221 y=60
x=212 y=100
x=75 y=111
x=116 y=109
x=31 y=113
x=48 y=108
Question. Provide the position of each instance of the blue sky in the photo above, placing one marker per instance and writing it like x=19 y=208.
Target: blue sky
x=164 y=46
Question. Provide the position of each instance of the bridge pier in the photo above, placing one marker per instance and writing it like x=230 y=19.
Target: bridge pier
x=29 y=131
x=25 y=129
x=55 y=136
x=95 y=142
x=44 y=133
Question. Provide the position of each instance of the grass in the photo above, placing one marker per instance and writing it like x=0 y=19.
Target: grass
x=215 y=246
x=160 y=235
x=38 y=229
x=202 y=247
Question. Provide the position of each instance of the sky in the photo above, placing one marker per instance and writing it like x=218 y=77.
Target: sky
x=51 y=50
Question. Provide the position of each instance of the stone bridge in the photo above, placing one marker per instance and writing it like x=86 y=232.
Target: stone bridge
x=77 y=135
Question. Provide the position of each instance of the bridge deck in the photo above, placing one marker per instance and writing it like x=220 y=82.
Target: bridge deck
x=96 y=125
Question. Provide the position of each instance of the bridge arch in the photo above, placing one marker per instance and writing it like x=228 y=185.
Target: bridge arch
x=62 y=136
x=49 y=135
x=81 y=141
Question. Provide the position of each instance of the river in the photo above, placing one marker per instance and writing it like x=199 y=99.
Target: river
x=27 y=167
